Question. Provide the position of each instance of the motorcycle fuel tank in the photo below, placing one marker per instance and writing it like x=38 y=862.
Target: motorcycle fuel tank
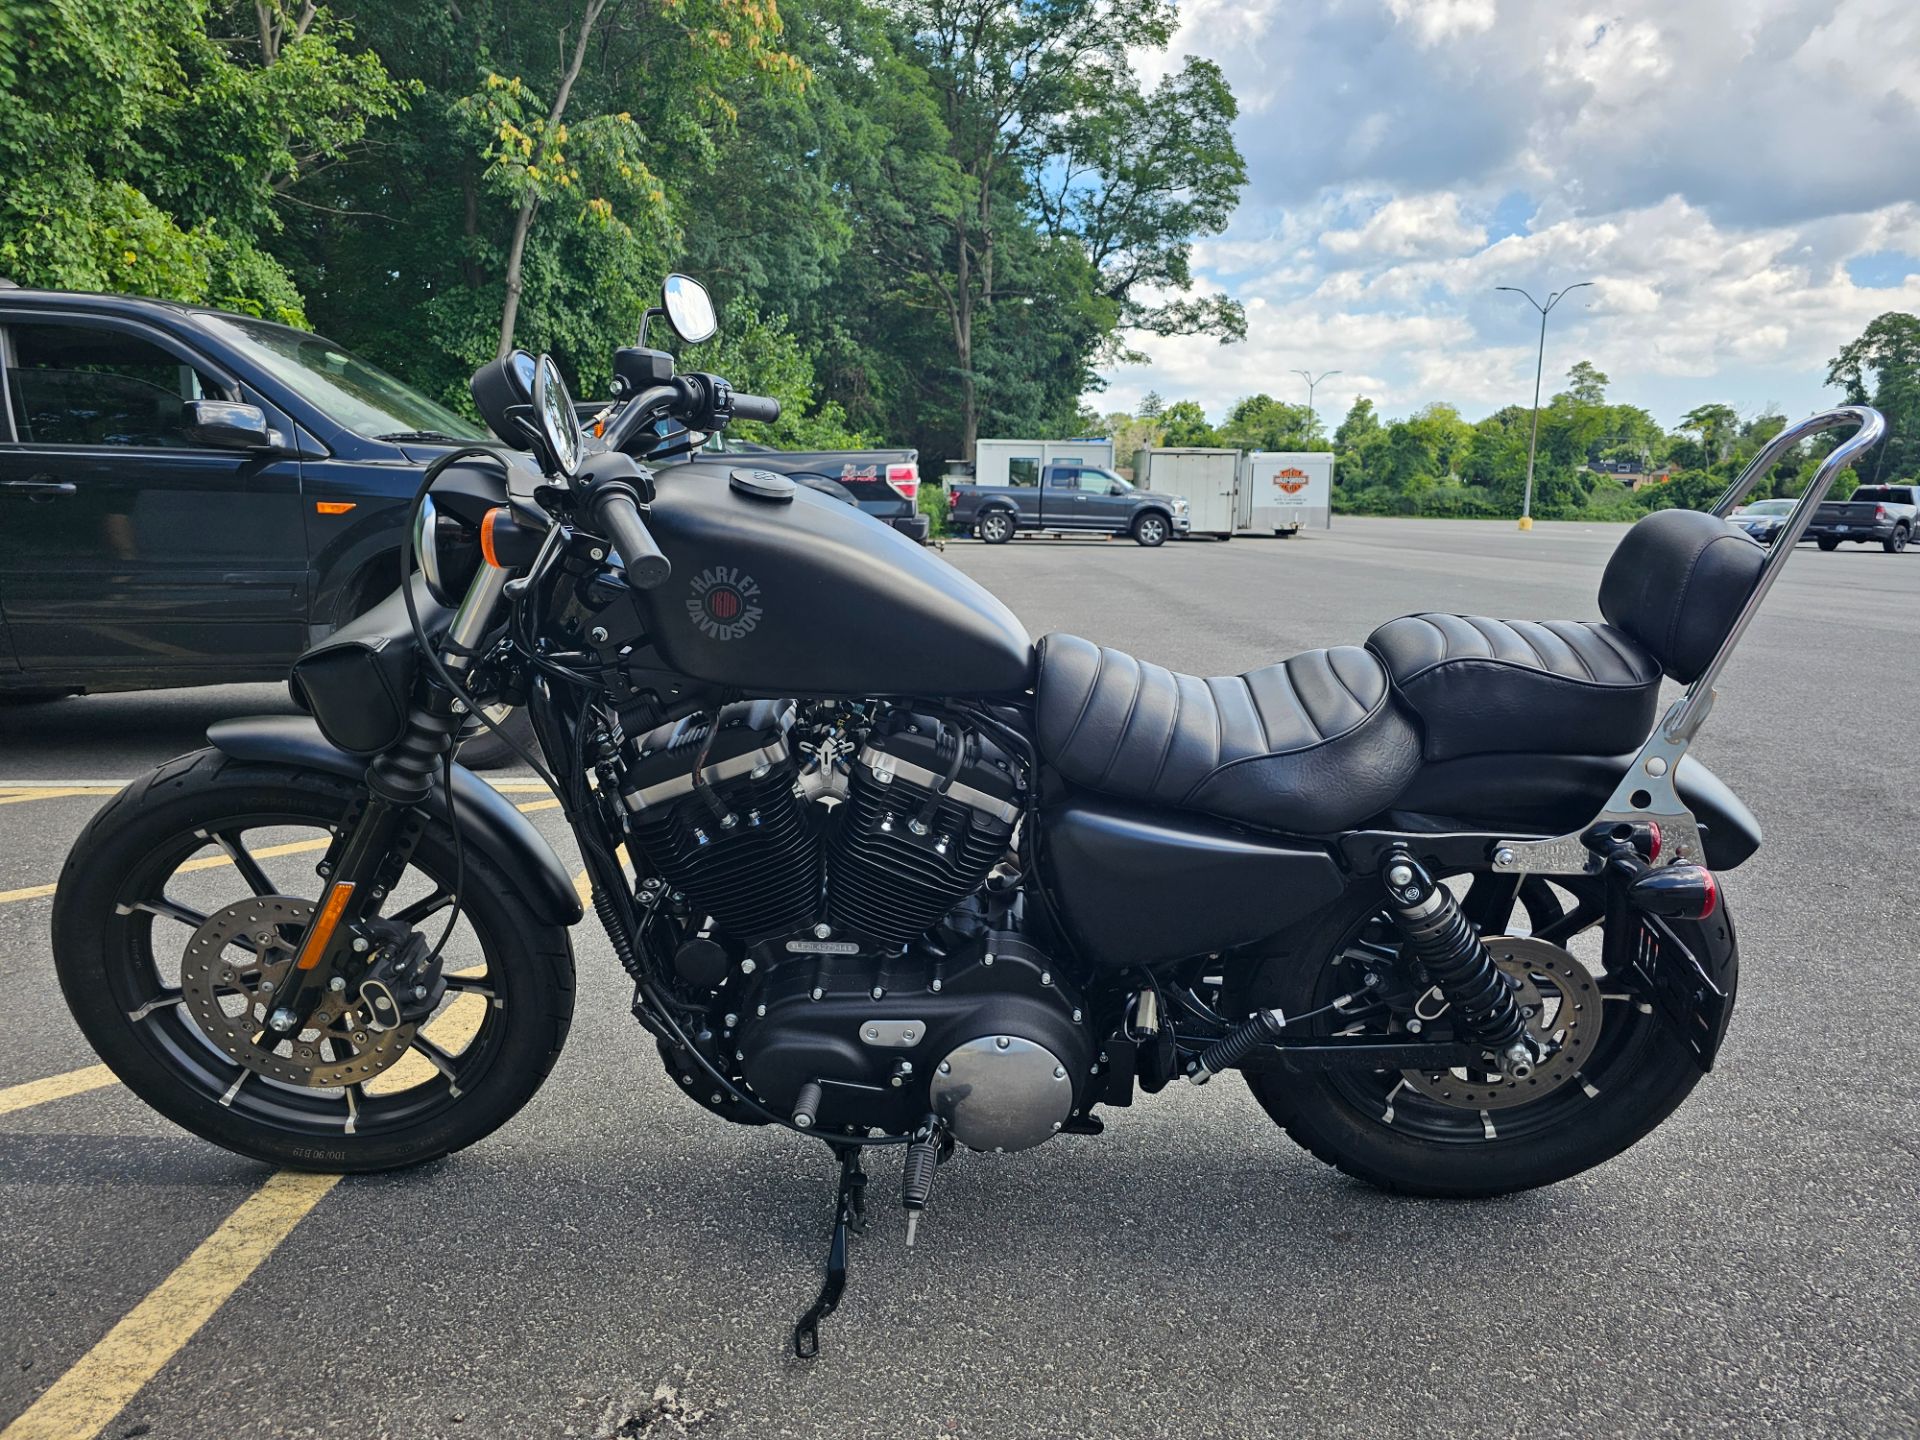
x=779 y=589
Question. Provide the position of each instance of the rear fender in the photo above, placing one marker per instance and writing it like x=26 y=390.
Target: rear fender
x=489 y=822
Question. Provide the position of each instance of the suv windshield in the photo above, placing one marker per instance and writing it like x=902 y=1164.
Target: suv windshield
x=365 y=399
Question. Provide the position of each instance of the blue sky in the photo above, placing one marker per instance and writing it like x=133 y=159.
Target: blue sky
x=1740 y=180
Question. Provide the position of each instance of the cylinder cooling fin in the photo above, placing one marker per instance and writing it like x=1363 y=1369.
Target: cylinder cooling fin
x=931 y=808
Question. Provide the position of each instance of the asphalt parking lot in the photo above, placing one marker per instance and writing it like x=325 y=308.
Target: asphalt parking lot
x=616 y=1262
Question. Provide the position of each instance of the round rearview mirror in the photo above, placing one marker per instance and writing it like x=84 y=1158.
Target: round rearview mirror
x=689 y=308
x=553 y=412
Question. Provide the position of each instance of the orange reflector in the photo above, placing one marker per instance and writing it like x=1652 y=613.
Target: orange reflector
x=334 y=507
x=317 y=938
x=487 y=522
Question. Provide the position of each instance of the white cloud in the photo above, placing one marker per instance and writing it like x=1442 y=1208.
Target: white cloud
x=1421 y=225
x=1711 y=165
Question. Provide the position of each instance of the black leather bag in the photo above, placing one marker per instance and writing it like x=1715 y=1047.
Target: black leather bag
x=358 y=682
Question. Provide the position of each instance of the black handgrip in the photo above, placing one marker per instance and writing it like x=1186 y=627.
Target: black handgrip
x=616 y=510
x=755 y=407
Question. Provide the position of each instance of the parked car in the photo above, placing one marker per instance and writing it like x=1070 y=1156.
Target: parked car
x=1069 y=500
x=192 y=498
x=1764 y=519
x=1887 y=513
x=883 y=483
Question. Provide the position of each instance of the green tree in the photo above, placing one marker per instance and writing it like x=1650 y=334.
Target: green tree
x=1713 y=426
x=1184 y=424
x=156 y=147
x=1261 y=422
x=1151 y=405
x=1888 y=351
x=1586 y=384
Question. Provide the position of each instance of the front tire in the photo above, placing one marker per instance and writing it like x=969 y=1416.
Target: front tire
x=1150 y=530
x=142 y=881
x=1374 y=1127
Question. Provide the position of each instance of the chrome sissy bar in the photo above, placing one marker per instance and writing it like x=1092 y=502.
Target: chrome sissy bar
x=1646 y=792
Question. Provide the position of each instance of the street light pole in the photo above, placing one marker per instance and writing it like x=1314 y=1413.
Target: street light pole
x=1312 y=380
x=1554 y=297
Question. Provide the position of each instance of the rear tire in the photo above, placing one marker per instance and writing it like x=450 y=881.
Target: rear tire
x=1897 y=541
x=111 y=965
x=1640 y=1074
x=995 y=527
x=1150 y=530
x=1826 y=542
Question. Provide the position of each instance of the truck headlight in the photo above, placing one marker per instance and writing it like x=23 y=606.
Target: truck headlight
x=1179 y=504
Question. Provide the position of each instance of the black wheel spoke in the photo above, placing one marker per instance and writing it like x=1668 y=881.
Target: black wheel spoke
x=439 y=1059
x=420 y=909
x=473 y=985
x=1489 y=902
x=1583 y=916
x=244 y=862
x=171 y=910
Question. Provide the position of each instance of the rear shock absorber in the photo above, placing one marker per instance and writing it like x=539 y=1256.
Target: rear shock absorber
x=1443 y=940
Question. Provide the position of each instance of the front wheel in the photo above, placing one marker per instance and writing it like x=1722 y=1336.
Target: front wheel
x=1619 y=1071
x=1150 y=530
x=180 y=910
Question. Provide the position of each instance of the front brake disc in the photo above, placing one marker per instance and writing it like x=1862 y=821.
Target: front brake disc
x=1561 y=1002
x=234 y=969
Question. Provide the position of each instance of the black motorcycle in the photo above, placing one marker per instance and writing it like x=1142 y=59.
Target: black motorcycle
x=884 y=871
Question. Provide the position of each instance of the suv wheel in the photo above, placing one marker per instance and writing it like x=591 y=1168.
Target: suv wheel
x=1828 y=542
x=1150 y=529
x=996 y=527
x=1897 y=541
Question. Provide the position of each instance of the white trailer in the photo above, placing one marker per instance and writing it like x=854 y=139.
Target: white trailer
x=1207 y=479
x=1020 y=462
x=1282 y=491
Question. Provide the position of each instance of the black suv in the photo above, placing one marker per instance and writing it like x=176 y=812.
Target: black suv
x=189 y=497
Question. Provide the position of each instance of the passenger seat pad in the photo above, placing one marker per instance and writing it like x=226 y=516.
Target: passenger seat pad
x=1520 y=687
x=1311 y=745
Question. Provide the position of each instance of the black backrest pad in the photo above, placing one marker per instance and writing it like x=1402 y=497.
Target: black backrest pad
x=1676 y=584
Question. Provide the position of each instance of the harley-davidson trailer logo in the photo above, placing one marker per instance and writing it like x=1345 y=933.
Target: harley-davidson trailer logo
x=725 y=603
x=1291 y=480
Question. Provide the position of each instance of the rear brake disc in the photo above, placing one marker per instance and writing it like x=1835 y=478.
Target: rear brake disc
x=1561 y=1002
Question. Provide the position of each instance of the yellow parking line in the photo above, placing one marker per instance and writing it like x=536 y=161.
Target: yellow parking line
x=214 y=862
x=55 y=1087
x=54 y=792
x=84 y=1401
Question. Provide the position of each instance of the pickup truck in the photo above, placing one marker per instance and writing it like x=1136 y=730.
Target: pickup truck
x=1887 y=513
x=883 y=483
x=1069 y=500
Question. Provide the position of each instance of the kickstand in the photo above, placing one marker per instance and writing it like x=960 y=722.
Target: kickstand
x=849 y=1215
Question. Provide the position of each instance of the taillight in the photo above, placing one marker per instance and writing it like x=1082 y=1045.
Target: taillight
x=905 y=479
x=953 y=498
x=1879 y=512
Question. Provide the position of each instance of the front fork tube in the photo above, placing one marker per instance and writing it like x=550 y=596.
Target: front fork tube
x=373 y=855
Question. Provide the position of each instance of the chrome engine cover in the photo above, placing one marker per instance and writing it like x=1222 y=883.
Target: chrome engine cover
x=1002 y=1092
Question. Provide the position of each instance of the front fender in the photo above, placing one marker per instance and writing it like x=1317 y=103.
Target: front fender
x=488 y=820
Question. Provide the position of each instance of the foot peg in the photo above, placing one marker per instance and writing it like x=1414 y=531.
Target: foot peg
x=1237 y=1044
x=931 y=1144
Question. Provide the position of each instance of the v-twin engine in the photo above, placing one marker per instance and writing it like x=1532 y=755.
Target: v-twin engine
x=843 y=891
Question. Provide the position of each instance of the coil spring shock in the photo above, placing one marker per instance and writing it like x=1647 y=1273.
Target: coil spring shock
x=1445 y=942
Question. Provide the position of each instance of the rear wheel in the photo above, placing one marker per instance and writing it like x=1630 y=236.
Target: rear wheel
x=1150 y=529
x=178 y=914
x=1827 y=542
x=1619 y=1072
x=996 y=527
x=1897 y=541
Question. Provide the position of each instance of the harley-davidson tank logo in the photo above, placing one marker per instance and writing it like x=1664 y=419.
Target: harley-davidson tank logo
x=1291 y=480
x=725 y=603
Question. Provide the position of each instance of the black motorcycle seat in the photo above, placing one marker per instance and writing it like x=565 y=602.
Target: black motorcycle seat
x=1520 y=687
x=1312 y=745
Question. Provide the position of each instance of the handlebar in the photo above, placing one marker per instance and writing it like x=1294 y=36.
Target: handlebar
x=616 y=509
x=755 y=407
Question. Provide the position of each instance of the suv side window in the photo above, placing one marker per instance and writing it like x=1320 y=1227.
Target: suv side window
x=76 y=384
x=1097 y=482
